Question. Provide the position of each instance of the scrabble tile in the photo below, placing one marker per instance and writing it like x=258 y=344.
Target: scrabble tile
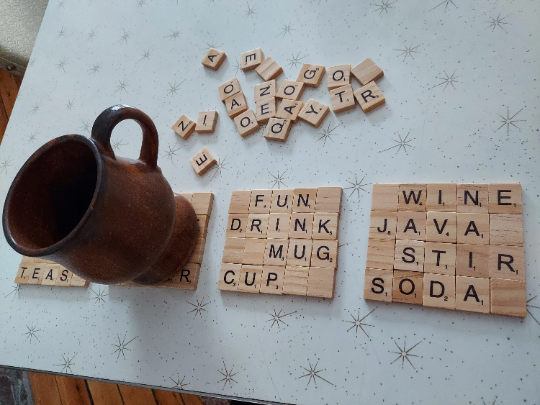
x=213 y=59
x=367 y=71
x=472 y=198
x=441 y=197
x=272 y=280
x=202 y=161
x=240 y=200
x=64 y=278
x=378 y=285
x=369 y=97
x=412 y=197
x=278 y=225
x=24 y=272
x=257 y=225
x=382 y=225
x=311 y=75
x=198 y=251
x=304 y=199
x=236 y=104
x=321 y=282
x=324 y=253
x=441 y=227
x=328 y=199
x=380 y=254
x=505 y=199
x=265 y=109
x=206 y=122
x=184 y=127
x=234 y=250
x=251 y=59
x=384 y=197
x=282 y=200
x=473 y=229
x=299 y=252
x=409 y=255
x=301 y=225
x=228 y=277
x=202 y=203
x=276 y=252
x=229 y=88
x=36 y=273
x=269 y=69
x=507 y=262
x=325 y=225
x=236 y=226
x=277 y=130
x=342 y=98
x=187 y=196
x=407 y=287
x=506 y=229
x=188 y=277
x=439 y=291
x=249 y=280
x=50 y=274
x=296 y=280
x=472 y=294
x=246 y=123
x=411 y=225
x=77 y=281
x=508 y=297
x=265 y=90
x=440 y=258
x=260 y=201
x=314 y=112
x=290 y=89
x=289 y=109
x=472 y=260
x=254 y=251
x=338 y=76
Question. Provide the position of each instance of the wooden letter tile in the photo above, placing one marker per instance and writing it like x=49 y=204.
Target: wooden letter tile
x=276 y=252
x=236 y=226
x=369 y=97
x=36 y=273
x=304 y=199
x=265 y=90
x=342 y=98
x=202 y=222
x=240 y=202
x=269 y=69
x=50 y=274
x=254 y=251
x=472 y=198
x=367 y=71
x=508 y=297
x=328 y=199
x=472 y=260
x=265 y=109
x=442 y=197
x=380 y=254
x=299 y=253
x=278 y=225
x=384 y=197
x=24 y=272
x=409 y=255
x=290 y=89
x=206 y=122
x=507 y=262
x=439 y=291
x=246 y=123
x=202 y=161
x=289 y=109
x=505 y=199
x=64 y=278
x=198 y=252
x=202 y=203
x=250 y=279
x=301 y=225
x=407 y=287
x=260 y=201
x=324 y=253
x=272 y=280
x=378 y=285
x=382 y=225
x=412 y=197
x=257 y=226
x=277 y=130
x=236 y=104
x=296 y=280
x=314 y=112
x=441 y=227
x=282 y=200
x=473 y=229
x=250 y=60
x=213 y=59
x=506 y=229
x=229 y=88
x=188 y=277
x=325 y=225
x=321 y=282
x=411 y=225
x=184 y=127
x=77 y=281
x=472 y=294
x=228 y=277
x=338 y=76
x=440 y=258
x=311 y=75
x=234 y=250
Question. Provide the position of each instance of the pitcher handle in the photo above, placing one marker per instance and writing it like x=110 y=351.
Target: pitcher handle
x=108 y=119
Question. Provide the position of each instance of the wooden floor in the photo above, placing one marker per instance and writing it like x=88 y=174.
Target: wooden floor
x=9 y=88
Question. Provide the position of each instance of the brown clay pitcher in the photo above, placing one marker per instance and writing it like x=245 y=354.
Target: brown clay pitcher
x=106 y=218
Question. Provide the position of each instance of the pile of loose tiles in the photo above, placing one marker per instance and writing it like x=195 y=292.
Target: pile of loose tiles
x=448 y=246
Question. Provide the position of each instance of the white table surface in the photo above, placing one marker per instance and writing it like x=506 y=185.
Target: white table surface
x=91 y=54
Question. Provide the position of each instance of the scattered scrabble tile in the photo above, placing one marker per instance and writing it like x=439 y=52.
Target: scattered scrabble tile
x=289 y=109
x=369 y=97
x=289 y=237
x=184 y=127
x=213 y=59
x=265 y=90
x=265 y=109
x=290 y=89
x=269 y=69
x=236 y=104
x=311 y=75
x=229 y=88
x=250 y=60
x=342 y=98
x=277 y=130
x=367 y=71
x=202 y=161
x=246 y=123
x=314 y=112
x=338 y=76
x=206 y=122
x=447 y=246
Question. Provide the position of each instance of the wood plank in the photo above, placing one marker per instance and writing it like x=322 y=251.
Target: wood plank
x=73 y=391
x=3 y=120
x=190 y=399
x=136 y=395
x=44 y=389
x=8 y=91
x=167 y=398
x=18 y=80
x=104 y=393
